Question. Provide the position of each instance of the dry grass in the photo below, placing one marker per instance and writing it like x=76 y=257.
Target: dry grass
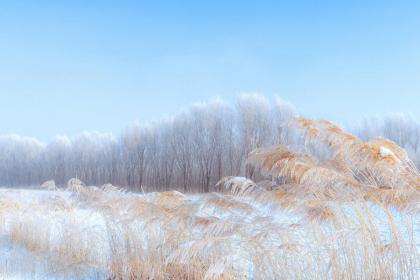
x=352 y=215
x=214 y=236
x=378 y=170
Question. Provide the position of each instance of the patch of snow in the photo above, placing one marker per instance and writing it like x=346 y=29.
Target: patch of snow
x=385 y=152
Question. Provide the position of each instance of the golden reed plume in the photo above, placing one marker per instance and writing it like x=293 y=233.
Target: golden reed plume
x=377 y=170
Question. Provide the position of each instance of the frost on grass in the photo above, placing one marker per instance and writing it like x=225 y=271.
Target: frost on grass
x=101 y=234
x=170 y=235
x=328 y=203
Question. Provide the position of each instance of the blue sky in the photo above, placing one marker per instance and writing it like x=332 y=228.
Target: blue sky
x=100 y=65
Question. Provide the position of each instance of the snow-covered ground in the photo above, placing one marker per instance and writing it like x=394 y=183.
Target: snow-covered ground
x=99 y=233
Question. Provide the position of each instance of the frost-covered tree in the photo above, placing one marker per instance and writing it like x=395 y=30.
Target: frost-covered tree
x=20 y=160
x=190 y=151
x=56 y=160
x=135 y=144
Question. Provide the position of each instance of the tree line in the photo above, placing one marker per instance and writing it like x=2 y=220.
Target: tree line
x=190 y=151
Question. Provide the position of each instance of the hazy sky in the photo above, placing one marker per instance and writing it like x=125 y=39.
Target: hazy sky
x=100 y=65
